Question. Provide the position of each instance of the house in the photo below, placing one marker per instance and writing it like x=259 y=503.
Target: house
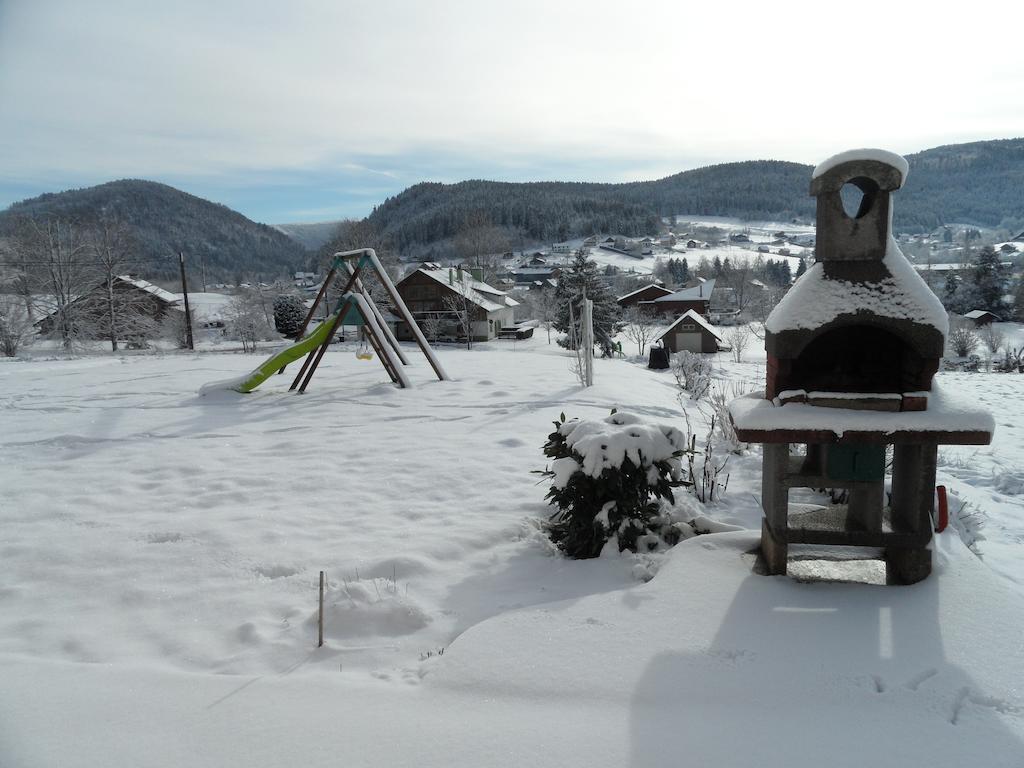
x=437 y=294
x=645 y=293
x=590 y=242
x=1018 y=238
x=305 y=279
x=1008 y=248
x=560 y=248
x=694 y=244
x=763 y=249
x=982 y=317
x=669 y=241
x=739 y=237
x=697 y=298
x=140 y=303
x=690 y=332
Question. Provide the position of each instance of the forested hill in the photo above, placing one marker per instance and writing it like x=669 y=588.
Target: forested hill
x=981 y=183
x=165 y=220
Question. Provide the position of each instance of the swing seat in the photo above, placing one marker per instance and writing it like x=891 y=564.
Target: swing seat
x=364 y=355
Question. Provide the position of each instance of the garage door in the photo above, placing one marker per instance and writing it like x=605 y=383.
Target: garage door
x=688 y=341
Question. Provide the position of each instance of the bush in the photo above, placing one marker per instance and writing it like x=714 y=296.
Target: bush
x=963 y=341
x=289 y=313
x=693 y=373
x=608 y=479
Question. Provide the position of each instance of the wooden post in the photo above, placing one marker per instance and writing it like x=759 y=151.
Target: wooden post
x=184 y=293
x=320 y=615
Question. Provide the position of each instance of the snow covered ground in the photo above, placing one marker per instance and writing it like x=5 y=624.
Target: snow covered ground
x=160 y=553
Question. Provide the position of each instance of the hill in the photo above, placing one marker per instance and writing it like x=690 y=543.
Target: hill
x=166 y=220
x=310 y=236
x=981 y=183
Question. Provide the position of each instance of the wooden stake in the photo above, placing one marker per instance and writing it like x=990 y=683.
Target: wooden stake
x=184 y=293
x=320 y=615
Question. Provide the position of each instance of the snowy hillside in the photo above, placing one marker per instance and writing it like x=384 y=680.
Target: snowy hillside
x=161 y=550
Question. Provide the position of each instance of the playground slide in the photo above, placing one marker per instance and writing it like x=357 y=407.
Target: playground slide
x=285 y=356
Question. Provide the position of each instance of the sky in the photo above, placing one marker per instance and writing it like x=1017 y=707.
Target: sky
x=318 y=110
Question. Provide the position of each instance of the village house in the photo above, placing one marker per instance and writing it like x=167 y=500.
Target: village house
x=437 y=293
x=697 y=298
x=644 y=293
x=140 y=305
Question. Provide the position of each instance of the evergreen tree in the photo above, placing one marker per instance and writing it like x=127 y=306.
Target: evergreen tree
x=684 y=271
x=582 y=277
x=785 y=273
x=289 y=312
x=716 y=267
x=949 y=291
x=990 y=279
x=802 y=268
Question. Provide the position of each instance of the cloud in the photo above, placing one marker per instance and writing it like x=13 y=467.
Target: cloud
x=210 y=91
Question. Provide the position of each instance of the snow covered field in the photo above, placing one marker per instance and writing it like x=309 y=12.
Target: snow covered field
x=160 y=554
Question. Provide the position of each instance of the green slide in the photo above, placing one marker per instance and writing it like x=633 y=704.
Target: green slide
x=285 y=356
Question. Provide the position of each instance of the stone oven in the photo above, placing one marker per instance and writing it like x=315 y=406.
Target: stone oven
x=852 y=351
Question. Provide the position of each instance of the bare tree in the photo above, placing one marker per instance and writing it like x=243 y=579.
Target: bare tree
x=738 y=337
x=544 y=308
x=111 y=247
x=246 y=320
x=61 y=268
x=992 y=338
x=641 y=325
x=962 y=340
x=431 y=324
x=460 y=308
x=16 y=326
x=738 y=278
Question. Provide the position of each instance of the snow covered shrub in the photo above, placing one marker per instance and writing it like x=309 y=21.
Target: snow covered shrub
x=289 y=312
x=693 y=373
x=721 y=395
x=608 y=477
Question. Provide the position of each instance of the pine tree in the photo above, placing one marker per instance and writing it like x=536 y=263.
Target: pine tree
x=716 y=266
x=989 y=278
x=582 y=277
x=802 y=268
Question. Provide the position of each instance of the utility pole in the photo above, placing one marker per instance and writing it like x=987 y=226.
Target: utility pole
x=184 y=293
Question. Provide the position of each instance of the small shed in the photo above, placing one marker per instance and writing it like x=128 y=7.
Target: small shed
x=982 y=317
x=692 y=333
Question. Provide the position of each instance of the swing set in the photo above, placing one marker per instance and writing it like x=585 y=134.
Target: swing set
x=355 y=308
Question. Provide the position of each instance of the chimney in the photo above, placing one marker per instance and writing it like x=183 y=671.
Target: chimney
x=477 y=273
x=459 y=268
x=450 y=276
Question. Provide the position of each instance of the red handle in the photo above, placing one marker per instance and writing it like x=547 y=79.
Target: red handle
x=943 y=521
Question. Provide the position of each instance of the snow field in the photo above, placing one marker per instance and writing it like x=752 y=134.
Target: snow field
x=160 y=553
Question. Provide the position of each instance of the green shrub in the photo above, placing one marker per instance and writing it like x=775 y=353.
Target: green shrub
x=608 y=479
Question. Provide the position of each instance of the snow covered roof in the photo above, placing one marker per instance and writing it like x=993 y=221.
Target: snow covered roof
x=700 y=291
x=692 y=317
x=978 y=314
x=815 y=299
x=480 y=293
x=148 y=287
x=878 y=155
x=644 y=288
x=208 y=306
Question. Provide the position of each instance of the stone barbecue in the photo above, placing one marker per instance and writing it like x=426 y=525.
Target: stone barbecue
x=852 y=351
